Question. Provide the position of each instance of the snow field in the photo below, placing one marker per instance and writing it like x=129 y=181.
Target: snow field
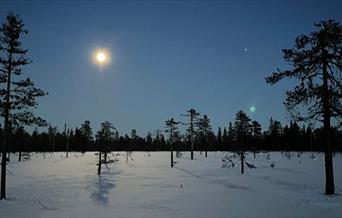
x=50 y=185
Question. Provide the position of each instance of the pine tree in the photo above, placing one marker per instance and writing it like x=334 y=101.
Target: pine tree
x=20 y=136
x=192 y=114
x=256 y=133
x=242 y=129
x=134 y=136
x=231 y=133
x=219 y=137
x=149 y=139
x=172 y=129
x=17 y=95
x=116 y=135
x=204 y=129
x=256 y=129
x=87 y=133
x=317 y=63
x=52 y=131
x=225 y=137
x=104 y=138
x=158 y=139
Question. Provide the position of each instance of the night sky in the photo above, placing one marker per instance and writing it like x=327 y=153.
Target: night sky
x=167 y=56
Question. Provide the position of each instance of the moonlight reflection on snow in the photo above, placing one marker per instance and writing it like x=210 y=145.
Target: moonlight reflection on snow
x=282 y=183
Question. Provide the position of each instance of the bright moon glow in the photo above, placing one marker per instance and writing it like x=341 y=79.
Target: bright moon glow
x=101 y=57
x=252 y=109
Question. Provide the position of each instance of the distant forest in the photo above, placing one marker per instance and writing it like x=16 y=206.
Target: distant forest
x=277 y=137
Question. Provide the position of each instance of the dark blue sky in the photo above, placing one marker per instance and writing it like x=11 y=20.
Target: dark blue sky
x=167 y=56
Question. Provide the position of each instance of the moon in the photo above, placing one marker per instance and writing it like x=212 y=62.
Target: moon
x=252 y=109
x=100 y=57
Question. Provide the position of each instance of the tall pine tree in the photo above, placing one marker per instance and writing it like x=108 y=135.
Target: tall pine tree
x=317 y=64
x=17 y=95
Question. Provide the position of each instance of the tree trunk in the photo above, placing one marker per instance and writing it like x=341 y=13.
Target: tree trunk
x=329 y=169
x=192 y=135
x=171 y=157
x=66 y=140
x=171 y=142
x=192 y=150
x=19 y=158
x=6 y=132
x=206 y=141
x=242 y=162
x=53 y=143
x=3 y=175
x=242 y=158
x=99 y=164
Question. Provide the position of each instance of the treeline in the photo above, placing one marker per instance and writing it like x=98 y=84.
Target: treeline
x=277 y=137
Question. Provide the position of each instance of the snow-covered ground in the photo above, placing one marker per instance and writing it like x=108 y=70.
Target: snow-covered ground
x=51 y=185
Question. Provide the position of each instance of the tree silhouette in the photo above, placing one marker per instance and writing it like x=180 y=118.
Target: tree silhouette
x=225 y=137
x=317 y=63
x=18 y=95
x=134 y=136
x=192 y=114
x=149 y=140
x=275 y=131
x=242 y=129
x=256 y=134
x=231 y=133
x=20 y=142
x=172 y=129
x=67 y=139
x=256 y=129
x=219 y=137
x=204 y=129
x=52 y=131
x=104 y=138
x=159 y=140
x=86 y=133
